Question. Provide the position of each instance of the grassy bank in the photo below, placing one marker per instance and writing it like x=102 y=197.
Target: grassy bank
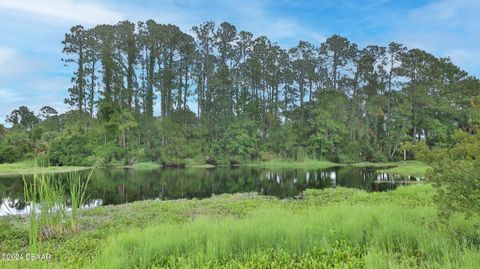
x=412 y=168
x=146 y=166
x=28 y=167
x=332 y=228
x=153 y=165
x=307 y=164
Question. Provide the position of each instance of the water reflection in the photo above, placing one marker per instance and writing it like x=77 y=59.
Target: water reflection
x=118 y=186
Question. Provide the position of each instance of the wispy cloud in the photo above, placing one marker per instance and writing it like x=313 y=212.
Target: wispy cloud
x=67 y=10
x=8 y=96
x=7 y=54
x=12 y=64
x=450 y=14
x=360 y=5
x=448 y=28
x=258 y=17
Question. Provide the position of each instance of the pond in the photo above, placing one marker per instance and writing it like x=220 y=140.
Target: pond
x=118 y=186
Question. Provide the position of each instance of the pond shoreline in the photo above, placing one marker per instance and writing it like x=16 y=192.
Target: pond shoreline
x=413 y=168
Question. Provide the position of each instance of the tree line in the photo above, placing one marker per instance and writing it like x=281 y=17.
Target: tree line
x=222 y=94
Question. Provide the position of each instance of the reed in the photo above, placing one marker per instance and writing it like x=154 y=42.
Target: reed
x=48 y=215
x=78 y=188
x=30 y=196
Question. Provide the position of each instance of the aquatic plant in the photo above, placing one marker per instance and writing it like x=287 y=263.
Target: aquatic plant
x=78 y=188
x=46 y=197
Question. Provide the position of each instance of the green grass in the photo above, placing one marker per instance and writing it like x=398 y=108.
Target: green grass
x=338 y=227
x=146 y=165
x=153 y=165
x=307 y=164
x=200 y=165
x=420 y=195
x=412 y=168
x=78 y=189
x=370 y=164
x=28 y=168
x=403 y=235
x=47 y=199
x=47 y=213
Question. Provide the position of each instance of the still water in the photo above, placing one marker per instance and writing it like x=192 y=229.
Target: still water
x=118 y=186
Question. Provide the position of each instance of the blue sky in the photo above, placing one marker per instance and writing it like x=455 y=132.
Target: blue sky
x=32 y=74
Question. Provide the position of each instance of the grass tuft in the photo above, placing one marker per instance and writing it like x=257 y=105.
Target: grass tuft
x=340 y=236
x=78 y=188
x=285 y=164
x=48 y=211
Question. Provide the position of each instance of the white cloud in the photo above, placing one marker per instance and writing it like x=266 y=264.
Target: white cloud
x=257 y=17
x=446 y=28
x=6 y=55
x=14 y=64
x=7 y=95
x=362 y=4
x=11 y=63
x=450 y=13
x=67 y=10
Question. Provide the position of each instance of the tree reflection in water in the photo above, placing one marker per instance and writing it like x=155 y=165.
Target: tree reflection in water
x=118 y=186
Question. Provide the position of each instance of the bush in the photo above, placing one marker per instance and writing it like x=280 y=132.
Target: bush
x=10 y=154
x=69 y=150
x=266 y=156
x=455 y=174
x=109 y=153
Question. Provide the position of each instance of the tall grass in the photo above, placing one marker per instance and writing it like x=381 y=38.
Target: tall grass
x=30 y=192
x=402 y=236
x=47 y=212
x=78 y=188
x=48 y=208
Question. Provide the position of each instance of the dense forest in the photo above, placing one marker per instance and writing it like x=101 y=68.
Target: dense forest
x=150 y=91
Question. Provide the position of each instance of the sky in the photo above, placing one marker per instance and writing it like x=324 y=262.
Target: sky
x=31 y=31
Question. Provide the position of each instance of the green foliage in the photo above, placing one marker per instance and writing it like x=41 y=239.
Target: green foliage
x=15 y=146
x=68 y=149
x=10 y=154
x=107 y=153
x=179 y=136
x=418 y=149
x=238 y=142
x=23 y=118
x=37 y=133
x=455 y=173
x=341 y=255
x=332 y=237
x=420 y=195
